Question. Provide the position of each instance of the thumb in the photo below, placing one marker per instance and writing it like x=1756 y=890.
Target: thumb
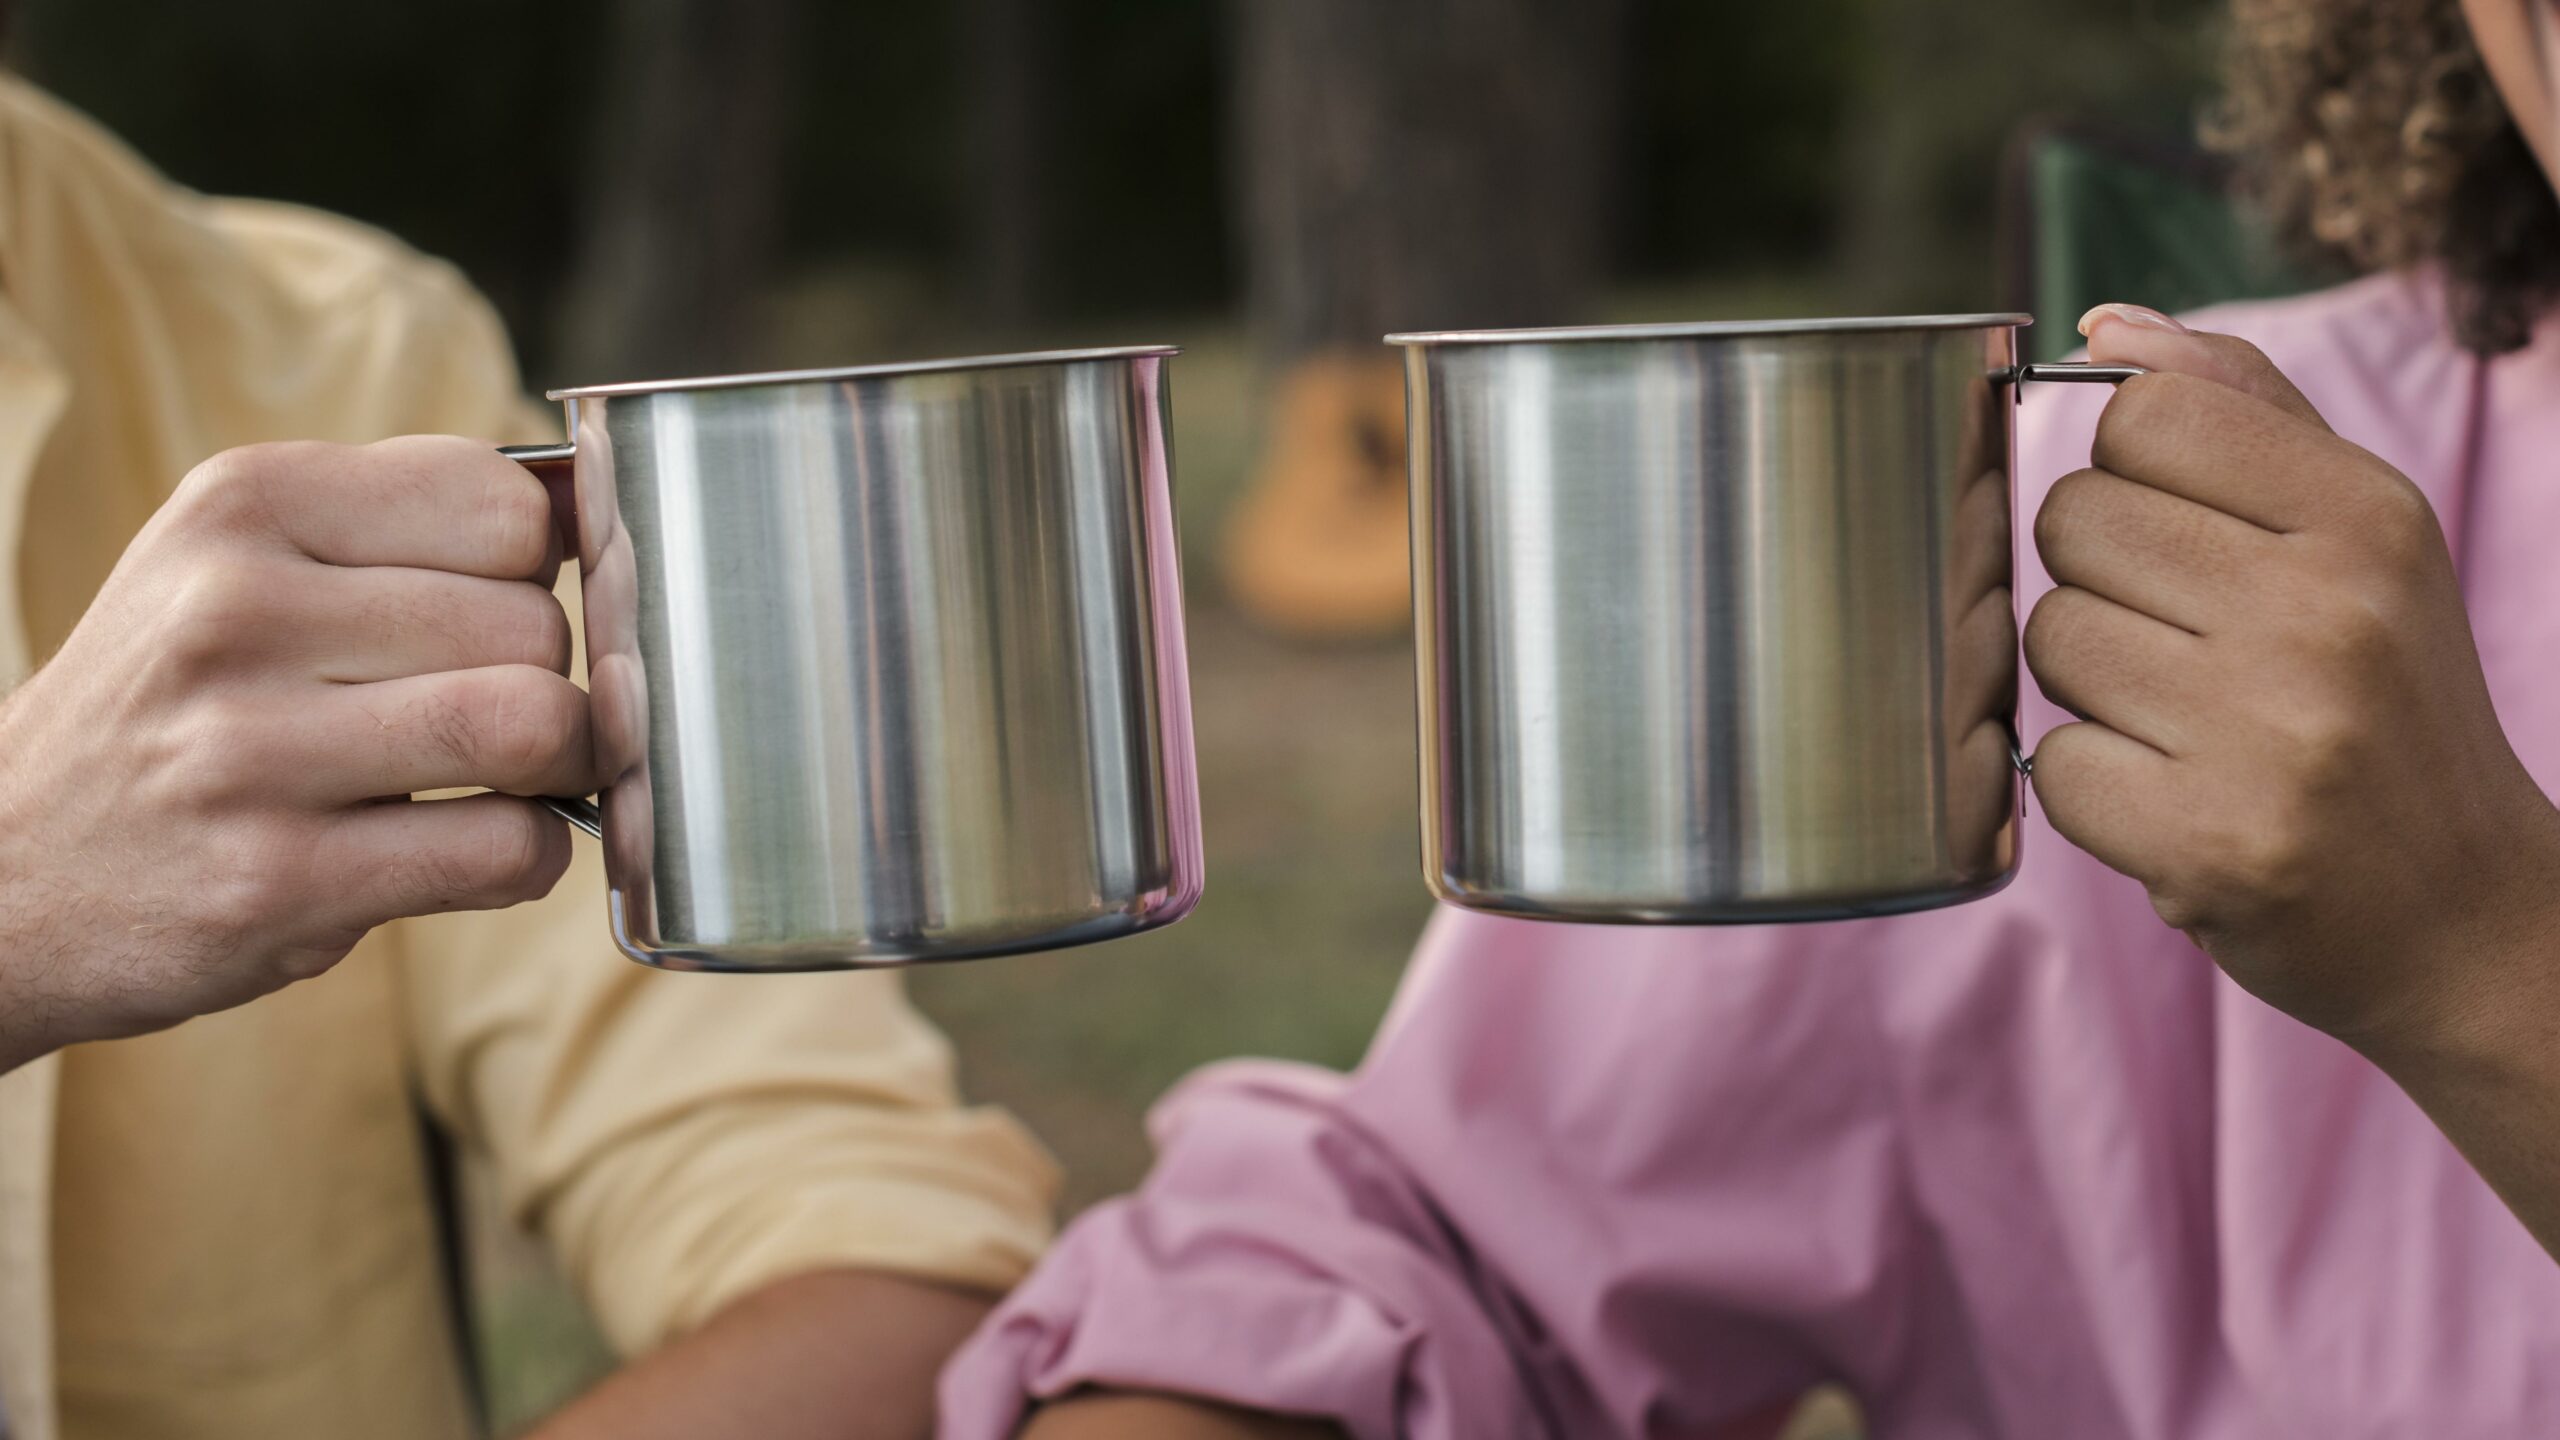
x=2138 y=335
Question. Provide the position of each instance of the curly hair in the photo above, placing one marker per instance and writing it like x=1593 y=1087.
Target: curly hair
x=2371 y=134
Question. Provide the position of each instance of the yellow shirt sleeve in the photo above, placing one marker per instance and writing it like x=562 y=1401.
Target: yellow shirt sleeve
x=682 y=1139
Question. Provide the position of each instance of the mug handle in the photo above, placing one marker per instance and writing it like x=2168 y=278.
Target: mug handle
x=550 y=464
x=2071 y=370
x=2074 y=370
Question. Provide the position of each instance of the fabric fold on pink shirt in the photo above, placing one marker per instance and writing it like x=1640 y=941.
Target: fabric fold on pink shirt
x=2025 y=1168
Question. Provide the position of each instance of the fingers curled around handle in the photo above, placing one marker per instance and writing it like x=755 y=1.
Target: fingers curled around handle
x=432 y=502
x=2130 y=335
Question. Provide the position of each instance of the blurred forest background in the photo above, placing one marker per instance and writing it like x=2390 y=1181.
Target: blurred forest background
x=650 y=187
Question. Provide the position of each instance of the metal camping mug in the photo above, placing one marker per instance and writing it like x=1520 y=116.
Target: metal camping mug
x=888 y=661
x=1713 y=622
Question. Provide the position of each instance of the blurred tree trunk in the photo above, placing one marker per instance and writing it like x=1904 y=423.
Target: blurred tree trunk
x=1892 y=150
x=1423 y=163
x=1012 y=112
x=683 y=197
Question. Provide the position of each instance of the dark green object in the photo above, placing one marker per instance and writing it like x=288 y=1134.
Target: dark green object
x=2098 y=217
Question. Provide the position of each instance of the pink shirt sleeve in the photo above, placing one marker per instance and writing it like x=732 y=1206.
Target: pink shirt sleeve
x=1588 y=1181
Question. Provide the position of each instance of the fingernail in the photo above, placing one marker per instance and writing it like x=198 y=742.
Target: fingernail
x=2132 y=315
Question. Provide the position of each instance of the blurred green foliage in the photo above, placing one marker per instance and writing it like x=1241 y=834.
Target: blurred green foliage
x=1861 y=133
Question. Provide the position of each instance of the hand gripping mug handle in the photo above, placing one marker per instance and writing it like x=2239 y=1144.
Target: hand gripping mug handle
x=2017 y=376
x=550 y=465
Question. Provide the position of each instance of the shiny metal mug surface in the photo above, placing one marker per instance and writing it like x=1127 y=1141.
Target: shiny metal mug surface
x=888 y=661
x=1713 y=622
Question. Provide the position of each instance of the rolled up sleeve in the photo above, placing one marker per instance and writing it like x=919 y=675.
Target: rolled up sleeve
x=1588 y=1182
x=1277 y=1259
x=682 y=1140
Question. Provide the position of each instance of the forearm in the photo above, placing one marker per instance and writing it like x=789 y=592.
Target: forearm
x=2508 y=1126
x=843 y=1354
x=2487 y=1069
x=1106 y=1415
x=2497 y=1098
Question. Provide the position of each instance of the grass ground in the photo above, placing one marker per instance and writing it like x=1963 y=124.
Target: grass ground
x=1314 y=893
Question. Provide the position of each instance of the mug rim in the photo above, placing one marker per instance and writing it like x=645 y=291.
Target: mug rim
x=864 y=372
x=1711 y=329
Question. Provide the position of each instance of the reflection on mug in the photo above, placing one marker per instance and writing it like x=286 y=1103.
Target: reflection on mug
x=617 y=681
x=1981 y=678
x=1981 y=673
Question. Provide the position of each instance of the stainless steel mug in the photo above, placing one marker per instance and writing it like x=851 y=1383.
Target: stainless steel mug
x=888 y=660
x=1713 y=622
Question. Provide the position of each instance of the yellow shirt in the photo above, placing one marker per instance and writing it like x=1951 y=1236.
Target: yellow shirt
x=226 y=1229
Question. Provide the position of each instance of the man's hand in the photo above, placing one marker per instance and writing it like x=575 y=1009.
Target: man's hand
x=203 y=795
x=2288 y=737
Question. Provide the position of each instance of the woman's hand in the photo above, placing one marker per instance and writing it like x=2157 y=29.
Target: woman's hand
x=2286 y=735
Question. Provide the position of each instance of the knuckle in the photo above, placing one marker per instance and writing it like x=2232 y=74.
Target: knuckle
x=2240 y=353
x=230 y=906
x=230 y=901
x=2350 y=627
x=506 y=852
x=226 y=749
x=255 y=885
x=228 y=588
x=2266 y=862
x=2052 y=627
x=516 y=847
x=469 y=485
x=2058 y=765
x=298 y=963
x=534 y=630
x=2036 y=639
x=239 y=485
x=2149 y=415
x=2398 y=524
x=218 y=486
x=516 y=512
x=2323 y=749
x=530 y=716
x=223 y=604
x=2065 y=507
x=2130 y=413
x=2177 y=908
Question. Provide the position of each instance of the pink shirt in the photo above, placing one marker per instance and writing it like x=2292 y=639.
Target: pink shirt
x=2025 y=1168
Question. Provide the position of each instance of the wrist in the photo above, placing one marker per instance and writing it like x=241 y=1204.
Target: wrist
x=39 y=967
x=2485 y=971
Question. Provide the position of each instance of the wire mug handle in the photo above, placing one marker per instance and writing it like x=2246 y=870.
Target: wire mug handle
x=550 y=464
x=2080 y=371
